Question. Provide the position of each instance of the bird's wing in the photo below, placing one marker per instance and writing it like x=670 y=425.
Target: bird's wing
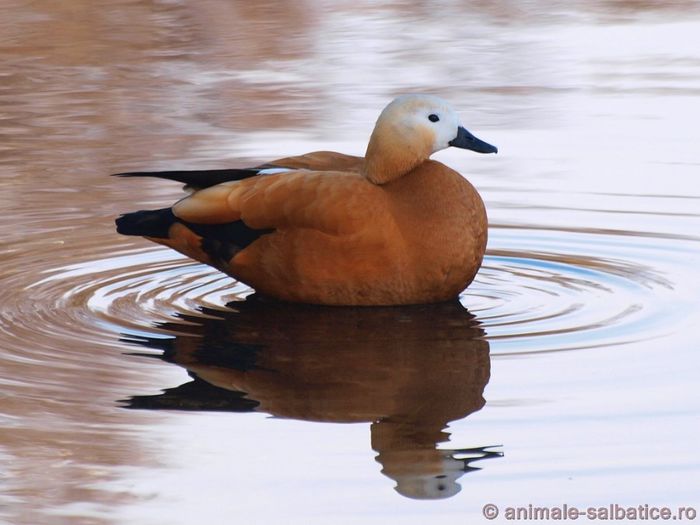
x=329 y=201
x=199 y=179
x=320 y=161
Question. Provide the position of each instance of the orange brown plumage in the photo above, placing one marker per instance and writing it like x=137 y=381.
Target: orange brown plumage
x=393 y=227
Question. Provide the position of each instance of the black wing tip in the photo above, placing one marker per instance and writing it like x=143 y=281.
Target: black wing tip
x=148 y=223
x=196 y=178
x=132 y=174
x=159 y=174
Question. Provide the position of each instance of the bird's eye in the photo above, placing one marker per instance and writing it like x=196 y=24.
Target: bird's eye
x=433 y=117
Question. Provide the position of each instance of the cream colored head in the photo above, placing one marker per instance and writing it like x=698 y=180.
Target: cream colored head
x=409 y=130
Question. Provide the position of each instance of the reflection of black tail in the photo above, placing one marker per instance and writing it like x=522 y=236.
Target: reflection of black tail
x=195 y=395
x=147 y=223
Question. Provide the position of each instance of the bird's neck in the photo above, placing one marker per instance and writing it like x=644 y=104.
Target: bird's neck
x=390 y=156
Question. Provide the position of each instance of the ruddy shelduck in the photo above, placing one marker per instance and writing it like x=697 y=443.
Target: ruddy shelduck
x=392 y=227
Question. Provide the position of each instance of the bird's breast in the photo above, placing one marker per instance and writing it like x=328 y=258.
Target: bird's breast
x=443 y=222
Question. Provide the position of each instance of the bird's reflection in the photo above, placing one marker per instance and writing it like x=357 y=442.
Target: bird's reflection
x=407 y=370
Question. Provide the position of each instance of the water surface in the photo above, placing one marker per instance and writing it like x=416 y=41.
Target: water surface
x=137 y=386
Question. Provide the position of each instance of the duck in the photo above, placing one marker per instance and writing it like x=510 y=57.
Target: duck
x=394 y=227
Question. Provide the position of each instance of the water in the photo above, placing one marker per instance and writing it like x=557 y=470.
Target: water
x=565 y=374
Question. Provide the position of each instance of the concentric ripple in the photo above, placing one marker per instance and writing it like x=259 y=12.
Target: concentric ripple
x=587 y=291
x=538 y=291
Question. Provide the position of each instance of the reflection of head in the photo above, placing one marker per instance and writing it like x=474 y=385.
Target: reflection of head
x=407 y=440
x=409 y=370
x=430 y=473
x=440 y=486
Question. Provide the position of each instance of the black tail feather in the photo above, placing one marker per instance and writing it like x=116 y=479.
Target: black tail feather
x=197 y=178
x=148 y=223
x=220 y=241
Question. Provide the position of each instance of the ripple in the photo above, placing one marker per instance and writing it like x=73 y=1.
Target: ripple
x=539 y=290
x=544 y=291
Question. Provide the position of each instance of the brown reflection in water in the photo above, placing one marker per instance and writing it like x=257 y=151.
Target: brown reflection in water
x=100 y=88
x=98 y=83
x=408 y=371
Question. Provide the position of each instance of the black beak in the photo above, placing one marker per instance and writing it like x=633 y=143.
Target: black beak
x=466 y=140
